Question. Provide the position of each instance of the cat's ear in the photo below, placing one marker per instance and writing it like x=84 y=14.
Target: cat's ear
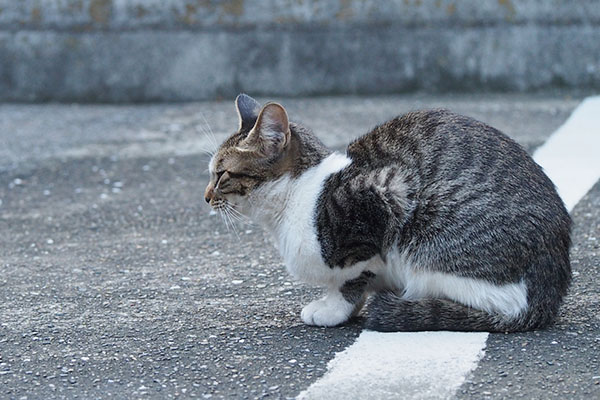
x=271 y=133
x=247 y=109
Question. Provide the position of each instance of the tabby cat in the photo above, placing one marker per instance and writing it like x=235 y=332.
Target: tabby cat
x=448 y=222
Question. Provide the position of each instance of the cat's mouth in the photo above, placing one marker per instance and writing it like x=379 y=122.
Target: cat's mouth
x=220 y=204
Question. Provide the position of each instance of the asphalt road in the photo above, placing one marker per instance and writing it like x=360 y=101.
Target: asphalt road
x=117 y=282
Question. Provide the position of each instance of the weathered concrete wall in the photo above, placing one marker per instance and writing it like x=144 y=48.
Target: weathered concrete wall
x=136 y=50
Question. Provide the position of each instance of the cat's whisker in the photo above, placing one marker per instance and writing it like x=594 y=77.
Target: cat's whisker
x=211 y=148
x=228 y=215
x=235 y=212
x=207 y=154
x=218 y=206
x=232 y=216
x=240 y=217
x=227 y=221
x=224 y=218
x=221 y=208
x=207 y=151
x=208 y=132
x=235 y=218
x=211 y=142
x=208 y=126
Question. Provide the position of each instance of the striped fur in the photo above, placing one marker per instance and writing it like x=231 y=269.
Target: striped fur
x=447 y=220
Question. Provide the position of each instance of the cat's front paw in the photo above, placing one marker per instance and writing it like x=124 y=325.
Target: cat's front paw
x=327 y=311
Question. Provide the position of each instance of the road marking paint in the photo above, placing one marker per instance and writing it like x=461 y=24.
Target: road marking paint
x=431 y=365
x=400 y=365
x=571 y=156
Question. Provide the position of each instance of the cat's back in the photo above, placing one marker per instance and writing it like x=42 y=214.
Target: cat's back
x=443 y=151
x=461 y=181
x=430 y=138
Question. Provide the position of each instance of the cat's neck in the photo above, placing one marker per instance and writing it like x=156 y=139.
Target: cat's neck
x=304 y=151
x=291 y=199
x=296 y=167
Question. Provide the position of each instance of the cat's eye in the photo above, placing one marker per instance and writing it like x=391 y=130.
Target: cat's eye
x=235 y=175
x=220 y=174
x=242 y=175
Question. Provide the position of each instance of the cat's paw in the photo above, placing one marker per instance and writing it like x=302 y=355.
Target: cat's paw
x=327 y=312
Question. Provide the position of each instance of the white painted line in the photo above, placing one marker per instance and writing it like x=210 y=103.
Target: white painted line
x=433 y=365
x=400 y=366
x=571 y=157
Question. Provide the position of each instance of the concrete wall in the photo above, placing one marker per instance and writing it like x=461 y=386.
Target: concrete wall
x=147 y=50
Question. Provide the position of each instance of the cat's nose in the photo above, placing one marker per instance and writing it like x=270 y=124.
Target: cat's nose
x=208 y=193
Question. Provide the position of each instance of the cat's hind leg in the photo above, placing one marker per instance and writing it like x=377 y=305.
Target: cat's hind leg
x=339 y=304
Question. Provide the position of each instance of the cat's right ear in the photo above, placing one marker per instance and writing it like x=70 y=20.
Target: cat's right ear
x=271 y=133
x=247 y=109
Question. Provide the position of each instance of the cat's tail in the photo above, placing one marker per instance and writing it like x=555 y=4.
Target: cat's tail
x=389 y=312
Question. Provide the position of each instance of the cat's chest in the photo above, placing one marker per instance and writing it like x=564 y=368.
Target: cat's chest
x=296 y=232
x=297 y=240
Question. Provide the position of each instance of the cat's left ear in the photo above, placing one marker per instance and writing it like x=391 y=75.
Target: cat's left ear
x=271 y=133
x=247 y=109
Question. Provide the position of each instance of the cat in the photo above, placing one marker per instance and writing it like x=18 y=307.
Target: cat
x=446 y=221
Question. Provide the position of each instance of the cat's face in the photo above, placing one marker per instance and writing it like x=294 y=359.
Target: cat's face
x=250 y=157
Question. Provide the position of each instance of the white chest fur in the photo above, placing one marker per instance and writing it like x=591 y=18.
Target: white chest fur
x=289 y=214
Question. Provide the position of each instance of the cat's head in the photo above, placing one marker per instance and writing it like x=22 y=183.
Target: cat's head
x=259 y=152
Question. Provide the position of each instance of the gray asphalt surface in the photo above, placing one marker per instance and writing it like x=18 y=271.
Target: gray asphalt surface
x=116 y=282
